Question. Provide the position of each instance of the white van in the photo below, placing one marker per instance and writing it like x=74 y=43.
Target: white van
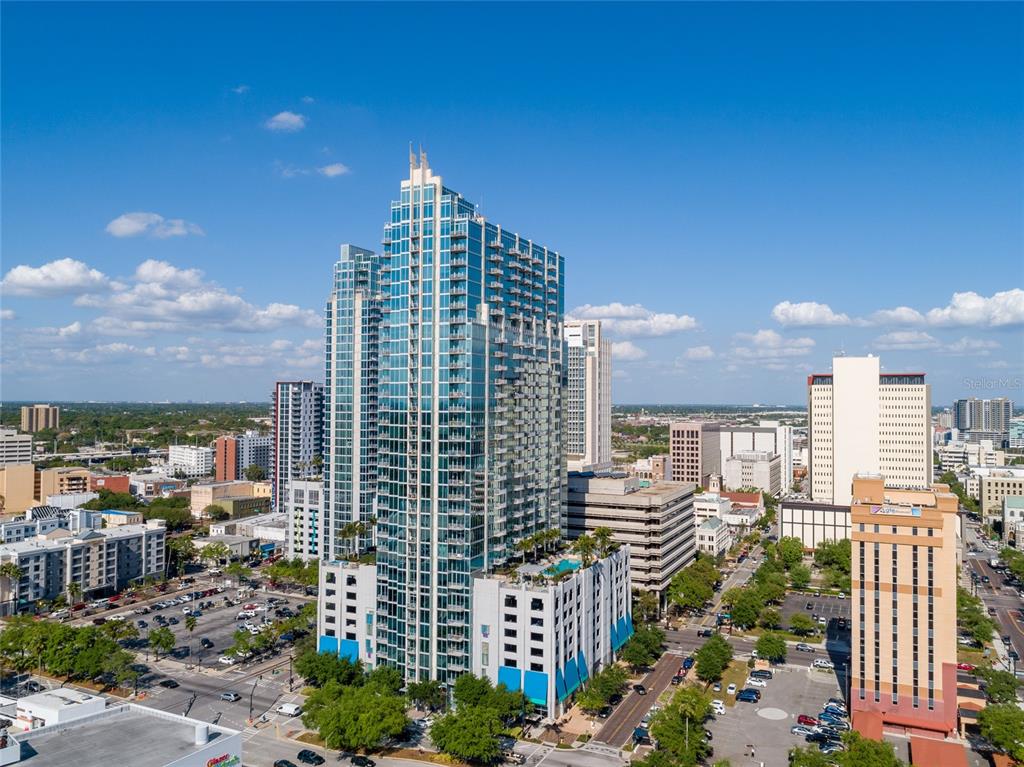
x=289 y=709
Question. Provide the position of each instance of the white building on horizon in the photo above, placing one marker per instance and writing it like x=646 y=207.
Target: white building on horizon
x=588 y=401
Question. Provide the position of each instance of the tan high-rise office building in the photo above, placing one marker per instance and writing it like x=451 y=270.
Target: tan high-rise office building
x=38 y=417
x=861 y=420
x=695 y=447
x=904 y=574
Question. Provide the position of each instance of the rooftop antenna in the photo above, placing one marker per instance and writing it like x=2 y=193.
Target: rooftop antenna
x=423 y=159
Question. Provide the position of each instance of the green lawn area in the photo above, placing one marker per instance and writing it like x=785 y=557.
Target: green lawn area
x=736 y=674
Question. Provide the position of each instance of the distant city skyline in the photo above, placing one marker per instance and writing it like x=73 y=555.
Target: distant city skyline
x=748 y=195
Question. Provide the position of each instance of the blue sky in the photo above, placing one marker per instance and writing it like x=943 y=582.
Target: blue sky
x=741 y=190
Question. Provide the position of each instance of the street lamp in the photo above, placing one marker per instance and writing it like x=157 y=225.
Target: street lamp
x=252 y=692
x=290 y=656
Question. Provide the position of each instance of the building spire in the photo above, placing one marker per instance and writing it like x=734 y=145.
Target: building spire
x=412 y=158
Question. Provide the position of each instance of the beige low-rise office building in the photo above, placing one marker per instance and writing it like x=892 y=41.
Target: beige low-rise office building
x=656 y=521
x=207 y=493
x=999 y=484
x=904 y=579
x=62 y=480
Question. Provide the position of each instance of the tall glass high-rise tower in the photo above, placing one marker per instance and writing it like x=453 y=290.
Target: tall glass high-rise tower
x=471 y=385
x=353 y=326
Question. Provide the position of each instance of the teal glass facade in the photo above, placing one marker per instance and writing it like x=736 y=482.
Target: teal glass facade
x=470 y=454
x=352 y=374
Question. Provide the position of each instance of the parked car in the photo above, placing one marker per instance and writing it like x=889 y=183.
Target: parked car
x=810 y=721
x=604 y=712
x=309 y=757
x=718 y=706
x=206 y=643
x=755 y=682
x=141 y=624
x=800 y=729
x=688 y=663
x=227 y=660
x=639 y=689
x=677 y=679
x=730 y=690
x=365 y=761
x=761 y=673
x=748 y=696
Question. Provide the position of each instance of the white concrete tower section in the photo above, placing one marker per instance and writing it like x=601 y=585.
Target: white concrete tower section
x=588 y=440
x=855 y=423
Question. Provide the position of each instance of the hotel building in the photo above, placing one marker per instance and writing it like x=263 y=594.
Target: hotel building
x=904 y=577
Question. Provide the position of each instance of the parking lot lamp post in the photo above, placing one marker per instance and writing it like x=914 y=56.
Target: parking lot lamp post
x=290 y=656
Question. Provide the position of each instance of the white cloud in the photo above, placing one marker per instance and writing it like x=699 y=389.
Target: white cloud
x=970 y=309
x=971 y=347
x=105 y=353
x=901 y=315
x=152 y=224
x=627 y=351
x=635 y=320
x=807 y=314
x=911 y=340
x=767 y=345
x=286 y=122
x=164 y=298
x=63 y=277
x=308 y=100
x=240 y=89
x=699 y=353
x=163 y=273
x=334 y=169
x=7 y=314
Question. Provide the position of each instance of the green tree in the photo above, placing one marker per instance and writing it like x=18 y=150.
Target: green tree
x=790 y=551
x=693 y=586
x=603 y=541
x=1002 y=725
x=255 y=473
x=803 y=624
x=216 y=512
x=770 y=618
x=809 y=756
x=181 y=551
x=609 y=681
x=864 y=752
x=713 y=658
x=1000 y=686
x=161 y=640
x=591 y=700
x=645 y=606
x=190 y=626
x=215 y=552
x=747 y=608
x=679 y=727
x=386 y=678
x=429 y=694
x=972 y=617
x=771 y=646
x=772 y=588
x=74 y=589
x=471 y=690
x=319 y=668
x=800 y=577
x=636 y=655
x=470 y=734
x=355 y=718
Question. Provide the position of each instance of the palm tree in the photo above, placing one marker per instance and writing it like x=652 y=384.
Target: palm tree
x=552 y=536
x=74 y=589
x=584 y=547
x=190 y=626
x=603 y=539
x=524 y=546
x=13 y=574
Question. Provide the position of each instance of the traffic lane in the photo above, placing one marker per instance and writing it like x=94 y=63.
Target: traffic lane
x=687 y=642
x=741 y=573
x=618 y=730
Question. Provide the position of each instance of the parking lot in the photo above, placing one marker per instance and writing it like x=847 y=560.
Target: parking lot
x=765 y=724
x=828 y=607
x=215 y=624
